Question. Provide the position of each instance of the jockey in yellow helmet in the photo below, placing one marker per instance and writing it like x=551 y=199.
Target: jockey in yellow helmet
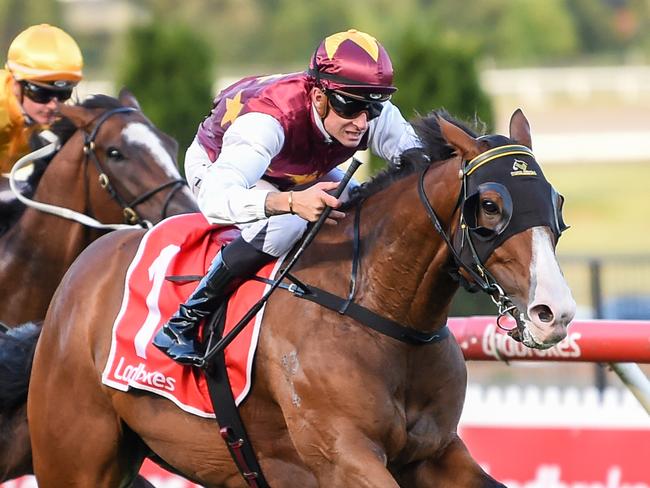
x=44 y=64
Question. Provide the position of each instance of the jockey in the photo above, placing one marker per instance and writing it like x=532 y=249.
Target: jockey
x=267 y=155
x=43 y=66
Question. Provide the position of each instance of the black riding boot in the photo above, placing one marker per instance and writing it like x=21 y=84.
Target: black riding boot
x=177 y=338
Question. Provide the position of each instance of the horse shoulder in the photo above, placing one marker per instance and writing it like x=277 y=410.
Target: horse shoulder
x=93 y=283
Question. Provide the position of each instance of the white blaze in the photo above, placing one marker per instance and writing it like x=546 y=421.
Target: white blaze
x=549 y=286
x=141 y=134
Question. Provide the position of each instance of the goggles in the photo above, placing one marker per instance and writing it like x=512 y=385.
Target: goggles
x=44 y=94
x=349 y=107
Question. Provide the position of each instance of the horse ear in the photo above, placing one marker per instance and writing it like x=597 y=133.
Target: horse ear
x=520 y=129
x=78 y=115
x=128 y=99
x=467 y=146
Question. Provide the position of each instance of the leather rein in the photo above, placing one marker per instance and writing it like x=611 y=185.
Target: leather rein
x=479 y=274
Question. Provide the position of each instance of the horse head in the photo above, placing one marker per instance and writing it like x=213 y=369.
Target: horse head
x=509 y=223
x=133 y=162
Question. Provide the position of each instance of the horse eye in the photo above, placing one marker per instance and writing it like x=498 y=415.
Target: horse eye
x=114 y=153
x=489 y=207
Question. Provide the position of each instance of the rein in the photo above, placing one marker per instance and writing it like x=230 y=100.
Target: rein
x=477 y=271
x=352 y=309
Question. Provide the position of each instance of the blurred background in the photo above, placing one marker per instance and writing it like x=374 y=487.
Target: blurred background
x=579 y=69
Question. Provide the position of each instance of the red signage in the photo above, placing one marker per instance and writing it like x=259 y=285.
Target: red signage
x=562 y=458
x=587 y=341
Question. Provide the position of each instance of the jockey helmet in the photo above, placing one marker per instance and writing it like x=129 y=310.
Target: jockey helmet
x=44 y=53
x=355 y=63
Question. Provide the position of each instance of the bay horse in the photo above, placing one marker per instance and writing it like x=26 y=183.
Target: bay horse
x=334 y=403
x=114 y=165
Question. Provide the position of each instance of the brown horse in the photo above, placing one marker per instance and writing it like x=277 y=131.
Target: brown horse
x=114 y=164
x=334 y=404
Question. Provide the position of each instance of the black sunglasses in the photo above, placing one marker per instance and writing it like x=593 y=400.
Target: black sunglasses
x=350 y=108
x=42 y=94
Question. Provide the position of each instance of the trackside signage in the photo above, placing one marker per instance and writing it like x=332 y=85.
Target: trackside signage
x=562 y=458
x=586 y=341
x=550 y=437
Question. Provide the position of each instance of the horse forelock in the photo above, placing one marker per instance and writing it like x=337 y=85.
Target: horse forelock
x=140 y=134
x=64 y=128
x=435 y=149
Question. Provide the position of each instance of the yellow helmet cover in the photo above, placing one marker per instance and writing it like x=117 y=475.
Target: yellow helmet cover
x=45 y=53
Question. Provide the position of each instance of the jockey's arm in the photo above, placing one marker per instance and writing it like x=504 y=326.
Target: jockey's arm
x=390 y=134
x=227 y=194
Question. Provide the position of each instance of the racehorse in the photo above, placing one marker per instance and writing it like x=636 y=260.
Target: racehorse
x=334 y=403
x=114 y=165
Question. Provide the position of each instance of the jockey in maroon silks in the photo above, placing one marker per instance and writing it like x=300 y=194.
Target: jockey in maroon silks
x=267 y=155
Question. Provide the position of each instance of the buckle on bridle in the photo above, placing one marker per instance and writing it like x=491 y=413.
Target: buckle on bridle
x=103 y=180
x=130 y=216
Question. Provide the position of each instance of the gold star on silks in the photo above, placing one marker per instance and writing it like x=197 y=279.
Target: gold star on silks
x=233 y=107
x=361 y=39
x=302 y=179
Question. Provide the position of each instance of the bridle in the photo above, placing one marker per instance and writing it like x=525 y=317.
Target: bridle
x=131 y=216
x=480 y=278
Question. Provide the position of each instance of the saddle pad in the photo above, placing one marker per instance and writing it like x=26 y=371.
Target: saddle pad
x=182 y=245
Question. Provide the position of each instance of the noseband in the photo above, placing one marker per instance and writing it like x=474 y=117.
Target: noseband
x=131 y=216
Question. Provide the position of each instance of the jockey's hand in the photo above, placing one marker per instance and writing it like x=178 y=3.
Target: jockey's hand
x=310 y=203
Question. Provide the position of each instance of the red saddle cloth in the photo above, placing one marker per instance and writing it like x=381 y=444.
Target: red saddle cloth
x=183 y=245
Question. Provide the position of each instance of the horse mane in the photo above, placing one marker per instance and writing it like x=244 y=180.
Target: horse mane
x=434 y=150
x=16 y=353
x=64 y=128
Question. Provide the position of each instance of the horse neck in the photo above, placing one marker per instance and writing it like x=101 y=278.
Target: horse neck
x=63 y=184
x=406 y=262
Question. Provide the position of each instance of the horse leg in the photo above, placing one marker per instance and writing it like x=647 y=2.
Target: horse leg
x=92 y=449
x=455 y=468
x=341 y=455
x=80 y=442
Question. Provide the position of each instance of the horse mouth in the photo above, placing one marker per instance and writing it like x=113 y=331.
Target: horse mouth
x=522 y=334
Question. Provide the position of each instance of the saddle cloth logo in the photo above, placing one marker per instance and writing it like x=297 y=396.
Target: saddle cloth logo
x=183 y=245
x=520 y=168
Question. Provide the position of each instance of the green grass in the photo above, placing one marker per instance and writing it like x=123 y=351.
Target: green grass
x=606 y=205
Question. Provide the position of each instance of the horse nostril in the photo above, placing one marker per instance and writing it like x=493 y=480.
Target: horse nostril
x=543 y=312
